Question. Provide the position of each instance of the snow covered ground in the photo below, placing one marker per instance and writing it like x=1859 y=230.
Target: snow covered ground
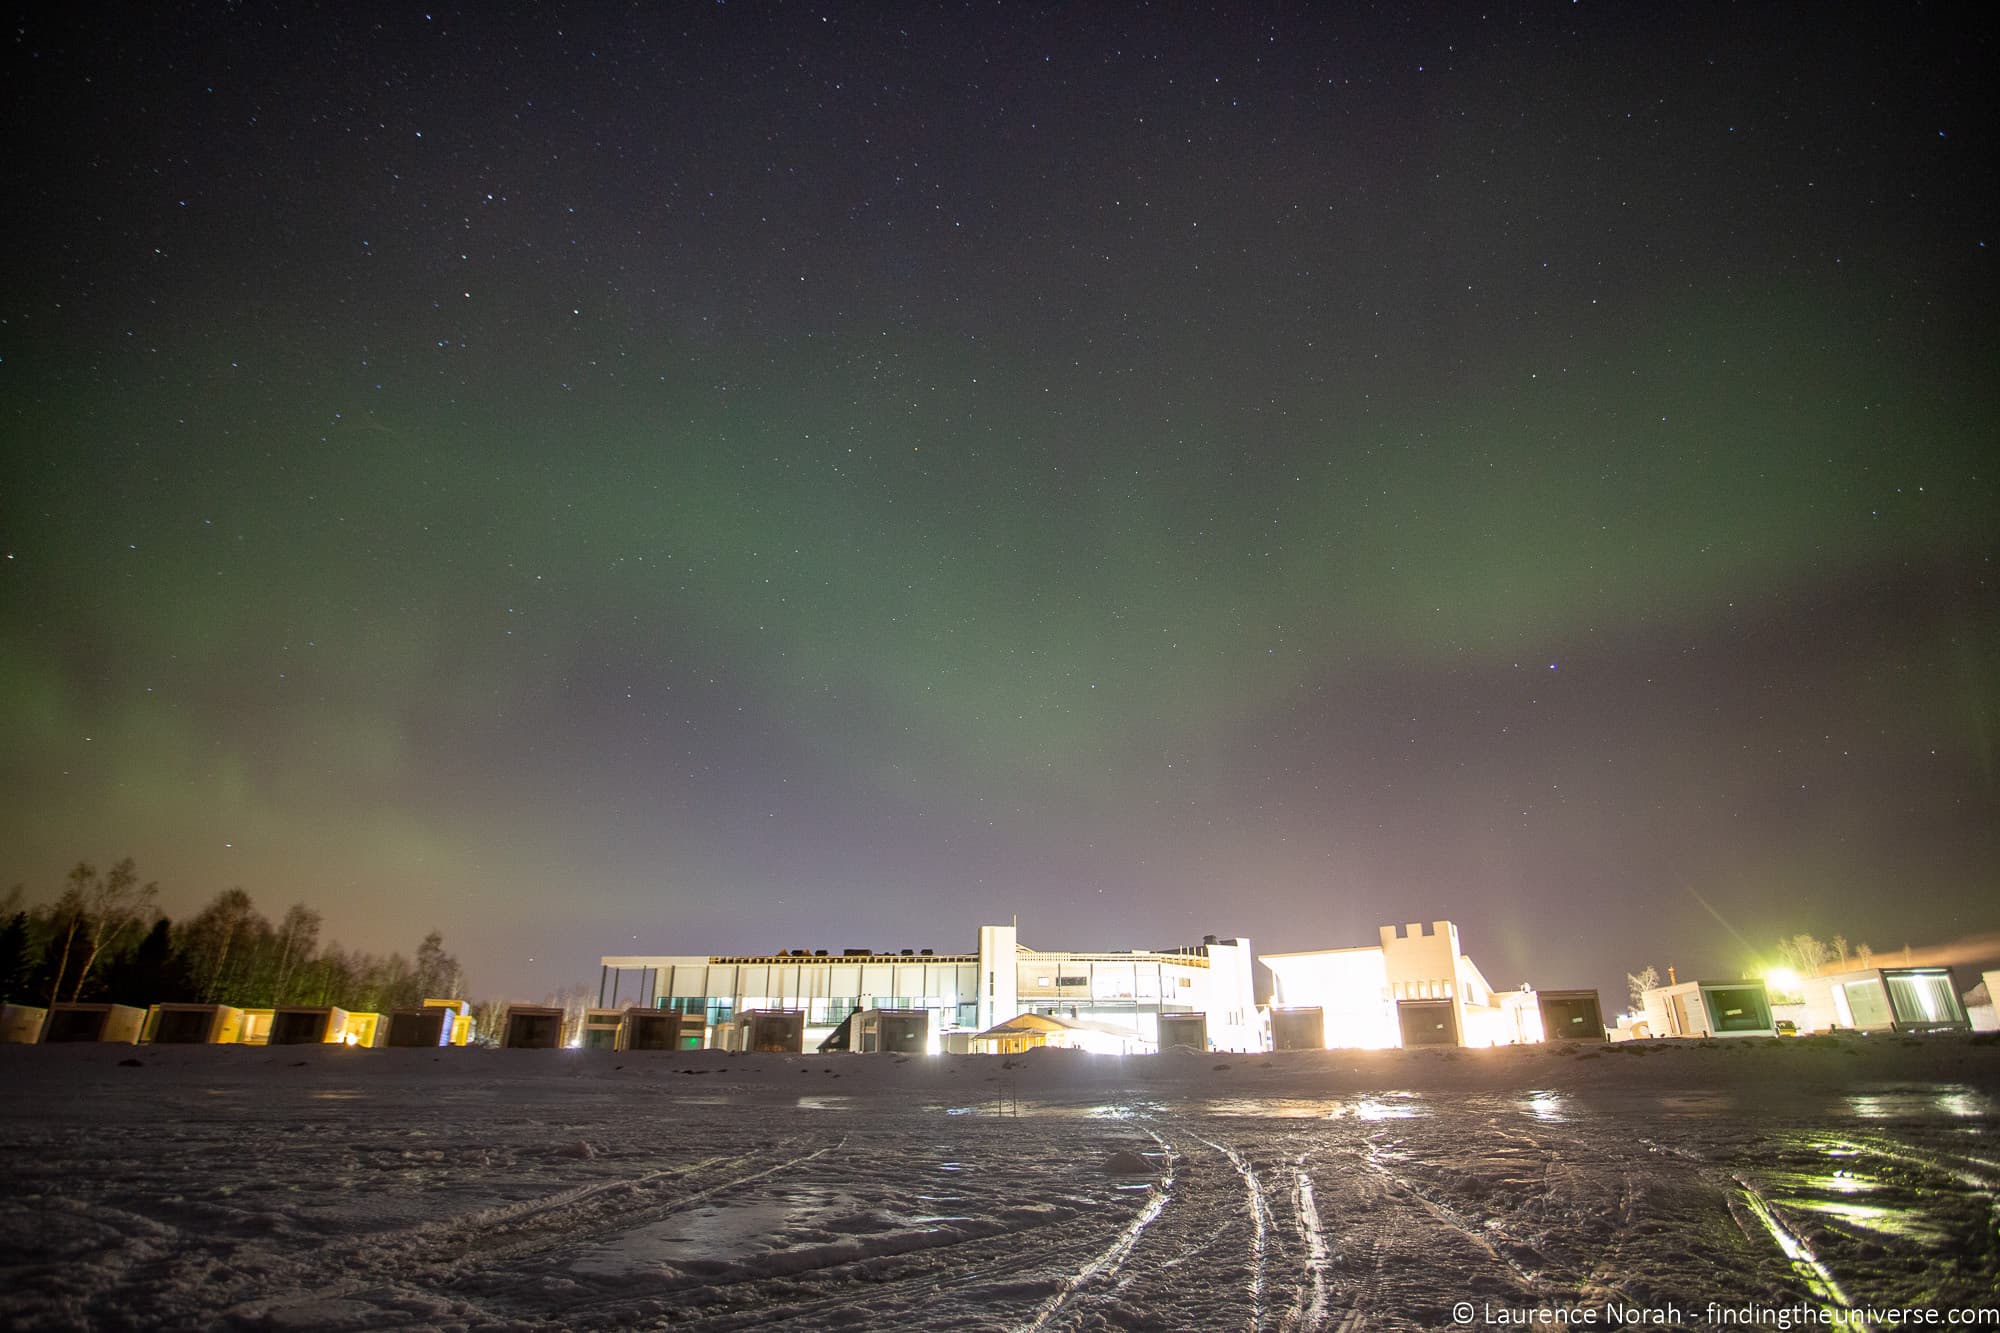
x=327 y=1188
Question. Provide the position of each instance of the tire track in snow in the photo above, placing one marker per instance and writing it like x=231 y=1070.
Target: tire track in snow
x=958 y=1269
x=1260 y=1222
x=1806 y=1266
x=1308 y=1308
x=566 y=1212
x=963 y=1262
x=1106 y=1264
x=1356 y=1251
x=424 y=1263
x=1448 y=1216
x=1975 y=1173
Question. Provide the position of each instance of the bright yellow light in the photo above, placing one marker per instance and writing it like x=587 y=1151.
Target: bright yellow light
x=1784 y=979
x=352 y=1039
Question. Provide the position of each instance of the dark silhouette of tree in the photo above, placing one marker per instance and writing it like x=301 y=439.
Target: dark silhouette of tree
x=89 y=940
x=153 y=973
x=438 y=972
x=16 y=969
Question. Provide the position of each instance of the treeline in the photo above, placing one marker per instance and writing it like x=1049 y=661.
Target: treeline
x=105 y=939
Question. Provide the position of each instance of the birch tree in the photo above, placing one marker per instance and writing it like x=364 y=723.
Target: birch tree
x=112 y=903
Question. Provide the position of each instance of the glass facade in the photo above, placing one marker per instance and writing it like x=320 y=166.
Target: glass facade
x=1924 y=999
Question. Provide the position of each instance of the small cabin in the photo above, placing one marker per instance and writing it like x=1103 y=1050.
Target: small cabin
x=882 y=1031
x=418 y=1027
x=1710 y=1009
x=194 y=1025
x=1885 y=999
x=533 y=1027
x=773 y=1031
x=1570 y=1015
x=434 y=1023
x=308 y=1025
x=21 y=1024
x=661 y=1030
x=459 y=1024
x=94 y=1022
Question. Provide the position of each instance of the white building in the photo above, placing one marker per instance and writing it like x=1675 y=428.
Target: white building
x=1124 y=990
x=1884 y=999
x=1979 y=1006
x=1415 y=987
x=1710 y=1009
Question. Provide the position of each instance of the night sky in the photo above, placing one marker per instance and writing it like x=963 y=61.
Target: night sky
x=708 y=478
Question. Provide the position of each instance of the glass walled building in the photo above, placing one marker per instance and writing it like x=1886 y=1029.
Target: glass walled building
x=826 y=987
x=1123 y=992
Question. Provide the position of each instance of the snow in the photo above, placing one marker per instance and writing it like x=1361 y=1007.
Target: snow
x=329 y=1188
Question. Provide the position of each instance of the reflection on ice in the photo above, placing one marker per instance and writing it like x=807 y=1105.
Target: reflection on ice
x=1544 y=1105
x=1874 y=1217
x=1949 y=1099
x=1698 y=1103
x=1390 y=1106
x=1274 y=1108
x=720 y=1232
x=1387 y=1106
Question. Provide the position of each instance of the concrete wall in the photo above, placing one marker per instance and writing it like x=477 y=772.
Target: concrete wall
x=998 y=977
x=1231 y=1003
x=1349 y=986
x=1423 y=962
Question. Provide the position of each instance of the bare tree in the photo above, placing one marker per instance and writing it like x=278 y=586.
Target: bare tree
x=113 y=903
x=573 y=1001
x=1803 y=954
x=1807 y=956
x=1638 y=983
x=214 y=932
x=68 y=919
x=298 y=939
x=489 y=1022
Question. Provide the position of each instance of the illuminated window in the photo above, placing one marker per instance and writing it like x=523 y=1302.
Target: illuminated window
x=1924 y=998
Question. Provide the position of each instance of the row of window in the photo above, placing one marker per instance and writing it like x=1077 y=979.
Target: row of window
x=819 y=1013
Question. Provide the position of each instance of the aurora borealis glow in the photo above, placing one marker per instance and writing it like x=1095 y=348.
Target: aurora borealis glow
x=734 y=478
